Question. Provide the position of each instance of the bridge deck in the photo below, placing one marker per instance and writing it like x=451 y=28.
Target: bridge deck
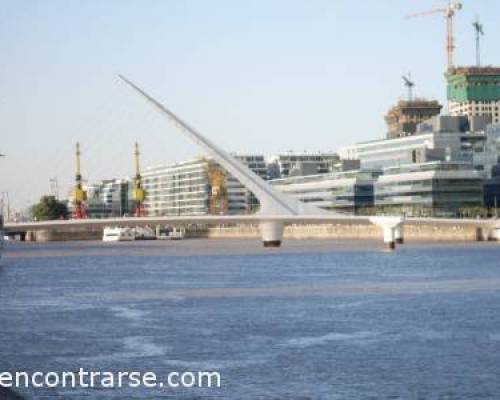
x=233 y=220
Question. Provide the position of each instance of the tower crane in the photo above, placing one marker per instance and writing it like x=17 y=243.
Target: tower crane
x=478 y=27
x=410 y=85
x=449 y=13
x=79 y=195
x=139 y=194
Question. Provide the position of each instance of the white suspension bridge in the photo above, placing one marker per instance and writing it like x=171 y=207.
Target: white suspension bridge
x=276 y=208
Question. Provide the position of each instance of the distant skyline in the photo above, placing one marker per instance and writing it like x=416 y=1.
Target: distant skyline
x=255 y=76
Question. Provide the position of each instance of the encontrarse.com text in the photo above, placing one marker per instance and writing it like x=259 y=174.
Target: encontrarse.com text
x=110 y=380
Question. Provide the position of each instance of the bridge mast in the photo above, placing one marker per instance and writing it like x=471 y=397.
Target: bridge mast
x=272 y=201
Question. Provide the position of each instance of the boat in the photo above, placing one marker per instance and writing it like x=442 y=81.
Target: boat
x=118 y=234
x=172 y=234
x=144 y=233
x=496 y=233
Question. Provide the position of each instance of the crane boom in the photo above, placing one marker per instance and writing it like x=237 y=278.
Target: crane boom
x=425 y=13
x=449 y=13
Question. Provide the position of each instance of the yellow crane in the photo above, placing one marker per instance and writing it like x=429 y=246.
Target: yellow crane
x=79 y=195
x=218 y=196
x=139 y=194
x=449 y=13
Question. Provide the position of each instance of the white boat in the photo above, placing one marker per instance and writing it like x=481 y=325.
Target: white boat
x=144 y=233
x=496 y=233
x=117 y=234
x=172 y=234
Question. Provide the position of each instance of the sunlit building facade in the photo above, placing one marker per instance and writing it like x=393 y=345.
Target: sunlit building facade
x=429 y=189
x=185 y=188
x=348 y=191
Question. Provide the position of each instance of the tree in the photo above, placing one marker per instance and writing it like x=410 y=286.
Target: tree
x=49 y=208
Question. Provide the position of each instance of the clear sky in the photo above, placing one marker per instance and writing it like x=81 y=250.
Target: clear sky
x=255 y=76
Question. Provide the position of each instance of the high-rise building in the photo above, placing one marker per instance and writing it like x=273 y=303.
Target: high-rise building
x=474 y=91
x=403 y=118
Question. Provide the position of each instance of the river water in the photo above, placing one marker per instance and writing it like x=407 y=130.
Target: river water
x=313 y=320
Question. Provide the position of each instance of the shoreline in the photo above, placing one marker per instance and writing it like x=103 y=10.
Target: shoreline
x=218 y=247
x=426 y=231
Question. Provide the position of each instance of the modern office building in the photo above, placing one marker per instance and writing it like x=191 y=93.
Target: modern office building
x=403 y=118
x=240 y=199
x=109 y=198
x=492 y=190
x=348 y=191
x=429 y=189
x=474 y=91
x=443 y=138
x=177 y=189
x=288 y=164
x=426 y=189
x=188 y=188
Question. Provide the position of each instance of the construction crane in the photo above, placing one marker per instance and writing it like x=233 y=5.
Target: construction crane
x=79 y=195
x=218 y=195
x=54 y=187
x=478 y=27
x=139 y=194
x=409 y=85
x=449 y=13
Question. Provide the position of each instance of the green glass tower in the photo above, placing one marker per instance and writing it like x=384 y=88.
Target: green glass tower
x=474 y=91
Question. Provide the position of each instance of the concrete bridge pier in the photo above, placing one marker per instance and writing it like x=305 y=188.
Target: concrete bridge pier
x=392 y=228
x=271 y=233
x=399 y=234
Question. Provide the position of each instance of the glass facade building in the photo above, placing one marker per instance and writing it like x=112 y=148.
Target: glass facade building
x=429 y=189
x=444 y=138
x=347 y=191
x=110 y=198
x=240 y=199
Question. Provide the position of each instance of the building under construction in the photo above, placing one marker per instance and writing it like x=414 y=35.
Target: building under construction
x=474 y=91
x=403 y=118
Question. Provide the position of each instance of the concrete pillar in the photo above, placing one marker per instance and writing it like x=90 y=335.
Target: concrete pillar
x=399 y=234
x=271 y=233
x=389 y=237
x=392 y=227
